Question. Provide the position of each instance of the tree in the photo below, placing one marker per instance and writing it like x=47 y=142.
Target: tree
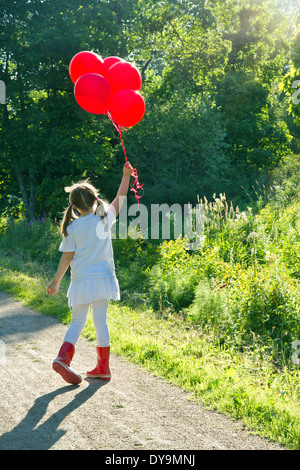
x=42 y=127
x=212 y=72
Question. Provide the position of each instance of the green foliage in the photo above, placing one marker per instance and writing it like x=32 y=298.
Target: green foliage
x=214 y=78
x=180 y=149
x=243 y=285
x=37 y=240
x=265 y=303
x=207 y=308
x=173 y=279
x=133 y=260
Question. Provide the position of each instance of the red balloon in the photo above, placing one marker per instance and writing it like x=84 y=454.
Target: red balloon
x=85 y=62
x=93 y=93
x=127 y=108
x=124 y=75
x=109 y=62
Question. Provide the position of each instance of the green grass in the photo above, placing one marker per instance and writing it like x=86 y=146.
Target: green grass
x=244 y=385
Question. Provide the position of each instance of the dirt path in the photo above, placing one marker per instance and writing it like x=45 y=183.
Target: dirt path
x=135 y=410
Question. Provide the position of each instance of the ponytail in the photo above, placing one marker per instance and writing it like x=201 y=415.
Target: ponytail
x=68 y=217
x=100 y=209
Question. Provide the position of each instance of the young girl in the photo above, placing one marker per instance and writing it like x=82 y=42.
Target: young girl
x=93 y=281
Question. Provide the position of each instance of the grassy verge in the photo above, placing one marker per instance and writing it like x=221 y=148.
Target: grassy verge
x=244 y=385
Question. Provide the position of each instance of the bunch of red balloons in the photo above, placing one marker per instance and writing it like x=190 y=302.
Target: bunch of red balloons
x=109 y=86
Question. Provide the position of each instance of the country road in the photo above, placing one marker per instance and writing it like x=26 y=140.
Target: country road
x=134 y=411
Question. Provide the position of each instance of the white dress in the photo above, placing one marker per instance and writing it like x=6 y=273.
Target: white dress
x=92 y=267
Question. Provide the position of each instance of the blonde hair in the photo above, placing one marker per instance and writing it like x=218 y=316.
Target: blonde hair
x=82 y=196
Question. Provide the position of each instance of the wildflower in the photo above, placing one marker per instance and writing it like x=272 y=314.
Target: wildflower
x=269 y=257
x=252 y=236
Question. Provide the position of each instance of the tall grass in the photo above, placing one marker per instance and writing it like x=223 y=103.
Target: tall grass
x=243 y=283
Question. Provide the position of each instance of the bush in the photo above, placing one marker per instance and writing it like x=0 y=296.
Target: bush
x=256 y=308
x=175 y=290
x=269 y=303
x=37 y=240
x=173 y=279
x=207 y=309
x=133 y=260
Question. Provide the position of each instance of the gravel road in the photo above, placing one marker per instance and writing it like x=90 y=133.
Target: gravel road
x=134 y=411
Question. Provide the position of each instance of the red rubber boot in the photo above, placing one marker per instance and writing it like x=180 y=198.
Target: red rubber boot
x=61 y=364
x=101 y=370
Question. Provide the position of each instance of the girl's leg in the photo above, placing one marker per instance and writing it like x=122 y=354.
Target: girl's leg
x=62 y=363
x=79 y=318
x=99 y=309
x=101 y=371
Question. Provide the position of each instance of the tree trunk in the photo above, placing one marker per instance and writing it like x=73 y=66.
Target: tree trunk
x=32 y=185
x=29 y=202
x=23 y=189
x=28 y=195
x=144 y=68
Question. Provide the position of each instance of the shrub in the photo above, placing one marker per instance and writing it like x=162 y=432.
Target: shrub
x=269 y=303
x=207 y=308
x=173 y=279
x=37 y=240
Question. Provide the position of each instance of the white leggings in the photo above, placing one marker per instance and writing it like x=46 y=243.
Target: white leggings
x=79 y=318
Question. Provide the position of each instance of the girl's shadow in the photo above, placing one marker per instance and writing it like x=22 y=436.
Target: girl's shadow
x=26 y=436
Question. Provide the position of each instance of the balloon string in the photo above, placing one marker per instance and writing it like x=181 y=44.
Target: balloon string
x=135 y=185
x=119 y=130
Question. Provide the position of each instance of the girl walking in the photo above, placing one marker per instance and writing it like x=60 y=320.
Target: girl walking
x=87 y=249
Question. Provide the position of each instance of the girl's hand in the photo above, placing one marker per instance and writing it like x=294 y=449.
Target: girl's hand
x=127 y=169
x=53 y=288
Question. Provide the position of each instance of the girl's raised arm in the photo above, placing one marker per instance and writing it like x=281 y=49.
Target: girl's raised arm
x=123 y=189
